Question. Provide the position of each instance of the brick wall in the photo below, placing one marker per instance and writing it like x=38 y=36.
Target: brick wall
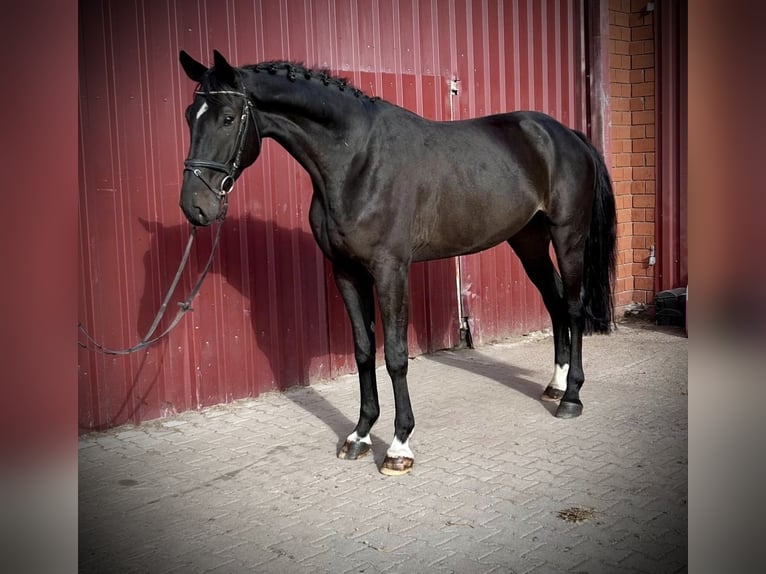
x=631 y=54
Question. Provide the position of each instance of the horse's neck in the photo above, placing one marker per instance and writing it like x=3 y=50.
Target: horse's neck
x=319 y=127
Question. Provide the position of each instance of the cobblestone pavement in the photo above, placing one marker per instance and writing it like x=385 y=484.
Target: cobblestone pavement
x=499 y=484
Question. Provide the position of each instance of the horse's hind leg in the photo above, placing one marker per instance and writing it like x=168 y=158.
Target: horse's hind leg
x=531 y=245
x=569 y=244
x=355 y=286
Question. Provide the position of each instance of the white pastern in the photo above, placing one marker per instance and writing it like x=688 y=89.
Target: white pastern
x=353 y=437
x=202 y=109
x=559 y=380
x=400 y=449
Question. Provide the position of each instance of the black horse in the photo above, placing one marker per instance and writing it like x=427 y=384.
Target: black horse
x=391 y=188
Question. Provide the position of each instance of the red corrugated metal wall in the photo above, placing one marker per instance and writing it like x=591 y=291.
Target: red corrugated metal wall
x=268 y=315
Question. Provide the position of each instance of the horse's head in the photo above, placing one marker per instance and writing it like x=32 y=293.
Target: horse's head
x=224 y=138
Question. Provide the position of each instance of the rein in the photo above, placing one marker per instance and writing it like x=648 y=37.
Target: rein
x=184 y=306
x=231 y=171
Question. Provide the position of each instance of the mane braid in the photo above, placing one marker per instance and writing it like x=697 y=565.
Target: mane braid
x=294 y=70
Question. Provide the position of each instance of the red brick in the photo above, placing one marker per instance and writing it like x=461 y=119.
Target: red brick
x=624 y=244
x=641 y=33
x=643 y=228
x=619 y=6
x=636 y=76
x=638 y=241
x=650 y=215
x=644 y=173
x=649 y=158
x=638 y=131
x=621 y=174
x=644 y=283
x=624 y=271
x=637 y=48
x=621 y=19
x=643 y=200
x=620 y=132
x=621 y=118
x=646 y=117
x=624 y=229
x=637 y=160
x=621 y=90
x=642 y=61
x=641 y=256
x=621 y=61
x=650 y=130
x=623 y=201
x=623 y=215
x=637 y=270
x=621 y=187
x=637 y=187
x=640 y=296
x=621 y=47
x=620 y=104
x=650 y=187
x=621 y=284
x=637 y=104
x=624 y=256
x=636 y=18
x=649 y=74
x=649 y=103
x=643 y=145
x=643 y=89
x=624 y=298
x=620 y=76
x=642 y=47
x=638 y=215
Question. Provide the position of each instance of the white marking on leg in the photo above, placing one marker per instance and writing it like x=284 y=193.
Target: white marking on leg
x=559 y=380
x=202 y=109
x=353 y=437
x=400 y=449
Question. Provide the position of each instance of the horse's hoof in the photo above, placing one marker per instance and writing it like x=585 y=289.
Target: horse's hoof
x=397 y=466
x=569 y=410
x=352 y=450
x=552 y=394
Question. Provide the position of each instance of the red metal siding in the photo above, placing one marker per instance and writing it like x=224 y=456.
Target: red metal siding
x=510 y=56
x=672 y=248
x=269 y=315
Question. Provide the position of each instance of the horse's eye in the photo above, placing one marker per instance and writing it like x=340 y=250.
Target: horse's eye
x=228 y=120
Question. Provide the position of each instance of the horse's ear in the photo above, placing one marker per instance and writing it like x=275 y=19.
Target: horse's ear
x=223 y=69
x=192 y=67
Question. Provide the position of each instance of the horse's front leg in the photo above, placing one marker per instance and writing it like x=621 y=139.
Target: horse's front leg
x=393 y=296
x=355 y=286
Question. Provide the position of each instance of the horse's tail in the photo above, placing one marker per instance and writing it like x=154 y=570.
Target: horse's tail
x=600 y=252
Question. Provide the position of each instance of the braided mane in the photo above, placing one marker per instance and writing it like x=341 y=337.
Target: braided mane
x=294 y=71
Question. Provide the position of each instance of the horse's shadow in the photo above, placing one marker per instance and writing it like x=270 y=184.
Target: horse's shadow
x=512 y=376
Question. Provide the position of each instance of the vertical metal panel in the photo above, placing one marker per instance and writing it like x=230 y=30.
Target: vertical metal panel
x=269 y=315
x=672 y=147
x=537 y=48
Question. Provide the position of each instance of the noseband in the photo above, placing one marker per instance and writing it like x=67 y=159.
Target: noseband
x=230 y=168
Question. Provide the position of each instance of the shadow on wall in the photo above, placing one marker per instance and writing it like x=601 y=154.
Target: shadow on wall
x=295 y=310
x=296 y=316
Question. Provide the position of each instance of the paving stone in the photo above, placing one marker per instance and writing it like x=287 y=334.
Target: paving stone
x=255 y=486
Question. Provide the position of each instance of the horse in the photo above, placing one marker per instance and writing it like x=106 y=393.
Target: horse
x=391 y=188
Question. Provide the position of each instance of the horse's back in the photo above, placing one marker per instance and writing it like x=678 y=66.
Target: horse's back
x=475 y=183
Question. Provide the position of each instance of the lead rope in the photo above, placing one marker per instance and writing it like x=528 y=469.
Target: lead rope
x=184 y=306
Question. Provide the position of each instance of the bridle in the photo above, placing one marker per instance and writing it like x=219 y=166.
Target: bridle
x=232 y=167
